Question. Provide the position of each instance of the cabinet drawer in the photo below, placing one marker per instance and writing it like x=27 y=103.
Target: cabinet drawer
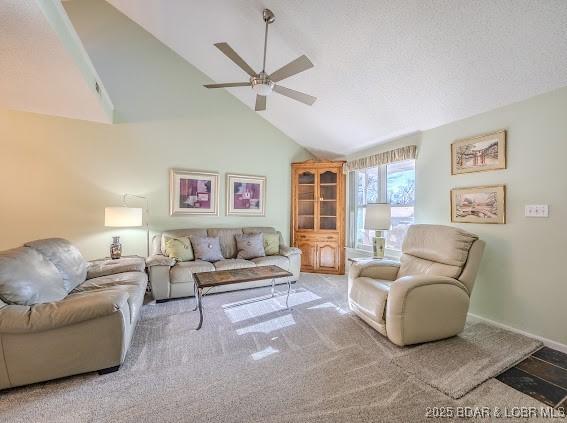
x=317 y=237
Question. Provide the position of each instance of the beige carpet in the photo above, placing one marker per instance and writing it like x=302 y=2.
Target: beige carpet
x=259 y=363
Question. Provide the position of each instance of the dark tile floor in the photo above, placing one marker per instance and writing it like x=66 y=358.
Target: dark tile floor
x=542 y=376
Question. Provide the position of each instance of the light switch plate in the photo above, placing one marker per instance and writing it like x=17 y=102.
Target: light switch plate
x=537 y=210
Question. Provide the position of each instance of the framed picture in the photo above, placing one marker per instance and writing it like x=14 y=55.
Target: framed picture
x=192 y=192
x=245 y=195
x=479 y=204
x=477 y=154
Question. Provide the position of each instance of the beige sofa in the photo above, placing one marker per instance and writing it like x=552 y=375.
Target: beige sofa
x=425 y=296
x=60 y=315
x=169 y=279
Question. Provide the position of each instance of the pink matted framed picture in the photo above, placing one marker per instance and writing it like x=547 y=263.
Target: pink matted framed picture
x=193 y=192
x=245 y=195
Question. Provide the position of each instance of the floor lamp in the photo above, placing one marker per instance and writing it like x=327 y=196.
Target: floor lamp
x=126 y=217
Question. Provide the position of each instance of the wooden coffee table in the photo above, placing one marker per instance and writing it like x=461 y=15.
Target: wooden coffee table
x=215 y=278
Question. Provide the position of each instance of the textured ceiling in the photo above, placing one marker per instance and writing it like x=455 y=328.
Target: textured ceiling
x=37 y=74
x=382 y=68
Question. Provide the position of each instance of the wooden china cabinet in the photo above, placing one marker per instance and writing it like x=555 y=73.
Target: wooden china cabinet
x=318 y=215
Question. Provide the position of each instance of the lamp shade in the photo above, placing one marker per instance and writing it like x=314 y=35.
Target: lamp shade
x=377 y=216
x=122 y=216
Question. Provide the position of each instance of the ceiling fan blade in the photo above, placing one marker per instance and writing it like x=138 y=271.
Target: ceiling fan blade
x=260 y=103
x=300 y=64
x=228 y=84
x=296 y=95
x=232 y=55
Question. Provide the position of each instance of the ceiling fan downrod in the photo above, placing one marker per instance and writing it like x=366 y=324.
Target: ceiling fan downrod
x=269 y=18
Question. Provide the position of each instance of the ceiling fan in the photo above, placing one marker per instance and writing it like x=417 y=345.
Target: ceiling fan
x=262 y=83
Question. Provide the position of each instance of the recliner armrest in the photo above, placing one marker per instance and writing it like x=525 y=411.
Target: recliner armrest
x=159 y=260
x=76 y=308
x=289 y=251
x=403 y=286
x=375 y=269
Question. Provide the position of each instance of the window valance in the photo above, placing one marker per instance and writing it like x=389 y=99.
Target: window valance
x=399 y=154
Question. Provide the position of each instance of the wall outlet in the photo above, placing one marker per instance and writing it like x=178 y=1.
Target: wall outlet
x=538 y=210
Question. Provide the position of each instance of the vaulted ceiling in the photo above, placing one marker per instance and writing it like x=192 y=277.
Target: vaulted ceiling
x=383 y=68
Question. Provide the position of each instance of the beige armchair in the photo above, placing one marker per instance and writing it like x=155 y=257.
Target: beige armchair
x=423 y=297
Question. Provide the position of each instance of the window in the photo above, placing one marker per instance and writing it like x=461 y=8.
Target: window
x=393 y=183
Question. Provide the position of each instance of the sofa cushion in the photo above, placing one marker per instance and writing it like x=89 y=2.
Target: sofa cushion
x=179 y=249
x=66 y=257
x=206 y=248
x=28 y=277
x=249 y=246
x=259 y=229
x=442 y=244
x=279 y=261
x=271 y=244
x=231 y=264
x=183 y=271
x=227 y=241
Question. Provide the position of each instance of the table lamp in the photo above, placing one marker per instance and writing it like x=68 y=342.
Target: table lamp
x=121 y=217
x=378 y=218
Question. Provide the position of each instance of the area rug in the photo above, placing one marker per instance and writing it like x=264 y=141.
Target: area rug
x=259 y=362
x=459 y=364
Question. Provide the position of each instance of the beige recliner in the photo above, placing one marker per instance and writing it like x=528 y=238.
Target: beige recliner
x=423 y=297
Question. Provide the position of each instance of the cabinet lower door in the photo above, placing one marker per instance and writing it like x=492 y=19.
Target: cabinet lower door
x=328 y=257
x=308 y=255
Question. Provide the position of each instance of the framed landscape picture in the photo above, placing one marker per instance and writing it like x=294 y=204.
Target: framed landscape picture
x=245 y=195
x=192 y=192
x=479 y=204
x=477 y=154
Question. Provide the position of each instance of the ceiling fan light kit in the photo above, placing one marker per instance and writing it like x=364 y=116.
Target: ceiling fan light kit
x=262 y=83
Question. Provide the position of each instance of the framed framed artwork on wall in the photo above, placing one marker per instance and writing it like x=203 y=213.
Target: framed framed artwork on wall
x=193 y=192
x=478 y=154
x=479 y=204
x=245 y=195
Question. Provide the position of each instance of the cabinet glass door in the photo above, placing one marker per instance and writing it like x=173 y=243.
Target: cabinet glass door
x=328 y=186
x=306 y=200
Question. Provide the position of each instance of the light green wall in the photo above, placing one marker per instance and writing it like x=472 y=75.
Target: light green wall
x=522 y=281
x=58 y=174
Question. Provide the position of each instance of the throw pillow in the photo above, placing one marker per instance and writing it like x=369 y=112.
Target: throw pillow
x=249 y=246
x=179 y=249
x=206 y=248
x=272 y=244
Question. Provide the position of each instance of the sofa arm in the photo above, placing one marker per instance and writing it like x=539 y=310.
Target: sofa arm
x=289 y=251
x=159 y=260
x=158 y=271
x=294 y=256
x=375 y=269
x=105 y=267
x=423 y=308
x=76 y=308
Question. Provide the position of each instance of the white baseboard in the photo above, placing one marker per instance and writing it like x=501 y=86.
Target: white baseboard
x=547 y=342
